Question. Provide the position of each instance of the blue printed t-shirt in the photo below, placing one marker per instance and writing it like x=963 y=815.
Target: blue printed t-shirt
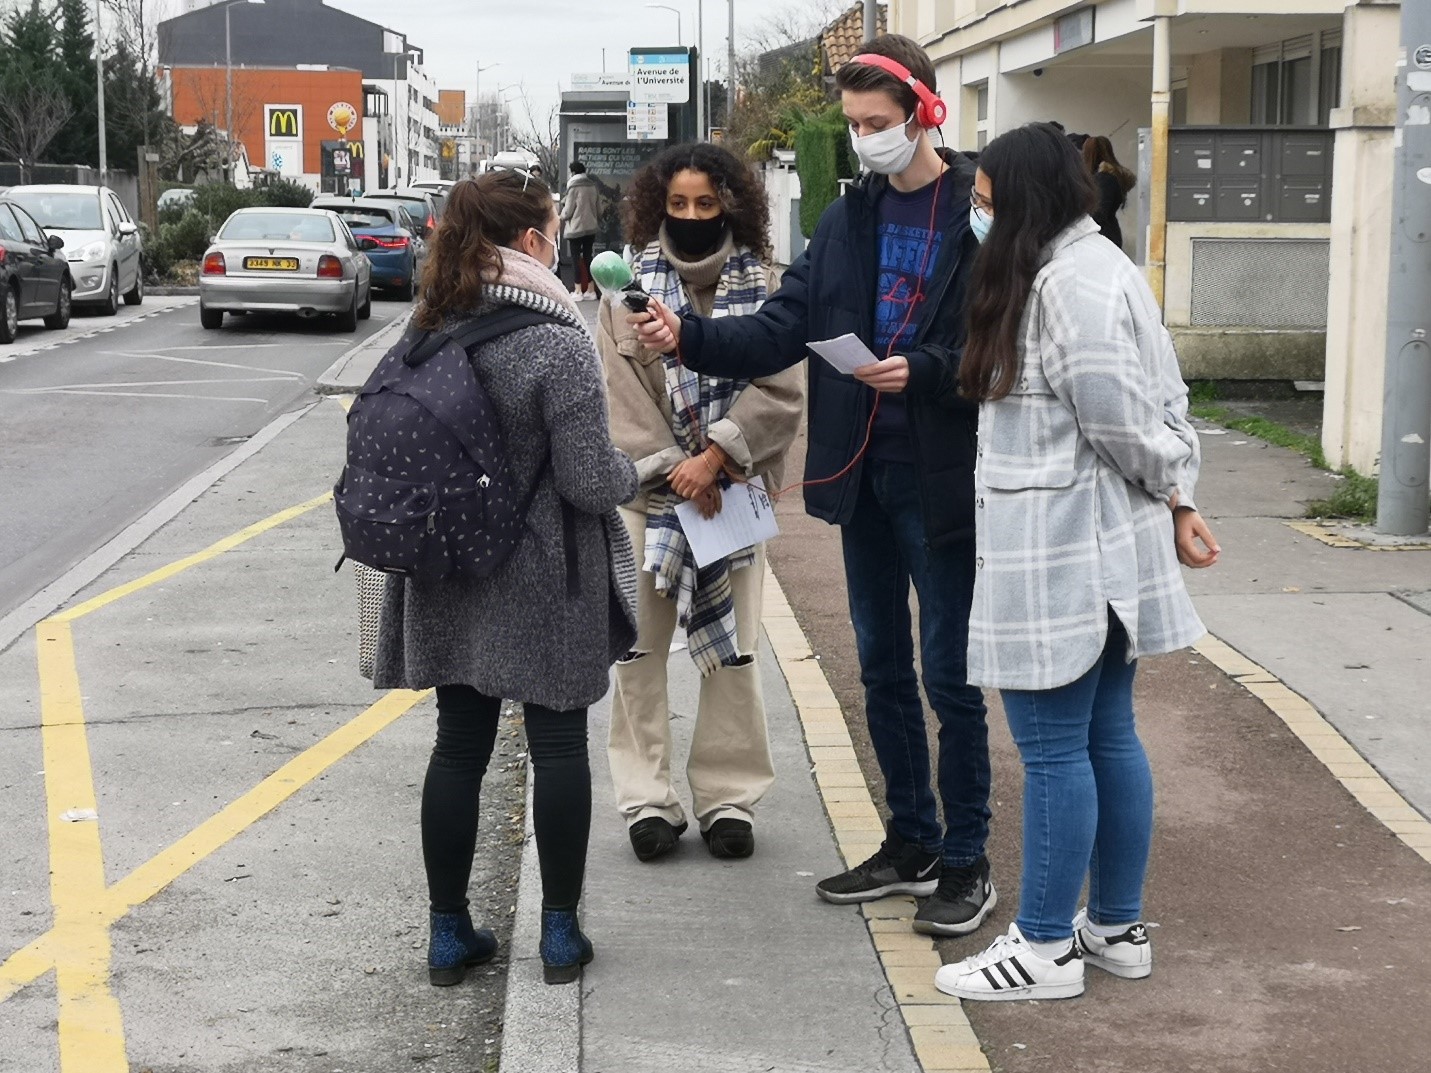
x=906 y=244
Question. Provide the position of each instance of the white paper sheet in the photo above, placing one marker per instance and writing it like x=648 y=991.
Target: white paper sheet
x=846 y=353
x=747 y=518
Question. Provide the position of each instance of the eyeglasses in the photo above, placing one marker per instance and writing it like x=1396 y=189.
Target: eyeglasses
x=980 y=202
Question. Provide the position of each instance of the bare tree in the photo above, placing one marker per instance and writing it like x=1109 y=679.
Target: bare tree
x=135 y=29
x=541 y=136
x=30 y=117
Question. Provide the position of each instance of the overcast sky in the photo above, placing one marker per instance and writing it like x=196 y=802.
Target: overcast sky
x=541 y=43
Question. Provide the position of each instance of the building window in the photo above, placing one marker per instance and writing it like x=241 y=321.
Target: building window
x=981 y=114
x=1297 y=82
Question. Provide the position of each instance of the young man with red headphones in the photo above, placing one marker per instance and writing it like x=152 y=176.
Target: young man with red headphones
x=890 y=461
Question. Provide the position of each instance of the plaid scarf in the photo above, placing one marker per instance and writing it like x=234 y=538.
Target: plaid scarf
x=704 y=602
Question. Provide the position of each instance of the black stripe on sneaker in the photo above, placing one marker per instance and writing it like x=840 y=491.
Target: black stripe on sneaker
x=1007 y=975
x=992 y=982
x=1022 y=971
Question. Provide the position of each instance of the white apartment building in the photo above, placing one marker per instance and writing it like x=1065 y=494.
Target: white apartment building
x=1266 y=231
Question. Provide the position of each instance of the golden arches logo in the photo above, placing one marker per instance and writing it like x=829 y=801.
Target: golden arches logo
x=283 y=122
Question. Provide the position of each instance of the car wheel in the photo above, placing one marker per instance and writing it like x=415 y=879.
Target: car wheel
x=136 y=296
x=110 y=305
x=366 y=309
x=10 y=316
x=211 y=318
x=60 y=318
x=348 y=321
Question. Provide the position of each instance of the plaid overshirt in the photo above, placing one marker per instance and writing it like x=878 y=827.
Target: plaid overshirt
x=1074 y=474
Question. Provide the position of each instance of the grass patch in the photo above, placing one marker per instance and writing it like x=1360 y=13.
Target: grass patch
x=1355 y=495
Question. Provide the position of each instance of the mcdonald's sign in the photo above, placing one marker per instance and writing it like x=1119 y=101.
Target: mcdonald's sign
x=284 y=120
x=356 y=148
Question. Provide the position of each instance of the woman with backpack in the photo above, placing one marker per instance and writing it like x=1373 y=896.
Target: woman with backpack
x=699 y=219
x=1084 y=485
x=546 y=626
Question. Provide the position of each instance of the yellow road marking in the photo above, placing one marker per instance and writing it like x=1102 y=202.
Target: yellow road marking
x=91 y=1031
x=213 y=551
x=78 y=945
x=35 y=959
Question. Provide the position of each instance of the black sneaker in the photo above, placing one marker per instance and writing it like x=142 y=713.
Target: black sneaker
x=730 y=839
x=654 y=837
x=959 y=905
x=897 y=868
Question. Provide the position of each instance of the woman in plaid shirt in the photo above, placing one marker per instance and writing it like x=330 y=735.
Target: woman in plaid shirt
x=1084 y=504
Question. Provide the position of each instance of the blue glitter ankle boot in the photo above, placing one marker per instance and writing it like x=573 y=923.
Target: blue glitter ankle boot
x=455 y=947
x=564 y=948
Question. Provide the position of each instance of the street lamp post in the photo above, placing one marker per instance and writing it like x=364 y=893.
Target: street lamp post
x=228 y=88
x=674 y=11
x=99 y=75
x=730 y=65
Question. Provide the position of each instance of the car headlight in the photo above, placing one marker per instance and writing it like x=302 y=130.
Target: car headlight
x=93 y=252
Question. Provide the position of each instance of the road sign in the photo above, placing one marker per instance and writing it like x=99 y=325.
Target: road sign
x=646 y=122
x=661 y=77
x=601 y=82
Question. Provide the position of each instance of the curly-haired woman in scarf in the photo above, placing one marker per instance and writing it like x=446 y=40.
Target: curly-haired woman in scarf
x=699 y=219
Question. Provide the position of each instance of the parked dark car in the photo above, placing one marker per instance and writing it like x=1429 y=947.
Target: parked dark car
x=35 y=278
x=399 y=251
x=422 y=205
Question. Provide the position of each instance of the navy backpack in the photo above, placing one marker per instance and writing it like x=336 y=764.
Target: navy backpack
x=425 y=492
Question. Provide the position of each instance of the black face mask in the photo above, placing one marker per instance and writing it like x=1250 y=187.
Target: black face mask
x=695 y=237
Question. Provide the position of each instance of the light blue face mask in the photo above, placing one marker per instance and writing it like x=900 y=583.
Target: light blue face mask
x=979 y=222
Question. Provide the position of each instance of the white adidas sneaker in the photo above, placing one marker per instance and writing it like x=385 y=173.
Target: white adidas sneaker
x=1010 y=970
x=1129 y=954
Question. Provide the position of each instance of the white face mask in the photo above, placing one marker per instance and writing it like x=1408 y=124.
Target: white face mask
x=555 y=265
x=887 y=152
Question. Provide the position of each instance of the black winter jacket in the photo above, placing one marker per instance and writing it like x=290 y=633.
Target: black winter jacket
x=829 y=291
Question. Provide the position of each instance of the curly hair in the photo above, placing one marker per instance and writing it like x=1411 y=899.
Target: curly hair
x=482 y=215
x=741 y=195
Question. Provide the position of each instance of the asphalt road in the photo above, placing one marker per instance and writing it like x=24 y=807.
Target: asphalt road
x=100 y=422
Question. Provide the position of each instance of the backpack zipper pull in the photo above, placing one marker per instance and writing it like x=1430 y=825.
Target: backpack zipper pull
x=432 y=522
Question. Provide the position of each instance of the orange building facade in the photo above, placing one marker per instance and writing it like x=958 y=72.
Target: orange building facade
x=283 y=116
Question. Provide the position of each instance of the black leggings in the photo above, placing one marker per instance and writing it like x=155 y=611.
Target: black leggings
x=581 y=251
x=561 y=808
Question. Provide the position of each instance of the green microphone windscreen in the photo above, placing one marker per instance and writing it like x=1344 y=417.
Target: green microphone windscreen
x=610 y=271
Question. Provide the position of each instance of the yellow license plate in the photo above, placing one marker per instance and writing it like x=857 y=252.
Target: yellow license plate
x=271 y=264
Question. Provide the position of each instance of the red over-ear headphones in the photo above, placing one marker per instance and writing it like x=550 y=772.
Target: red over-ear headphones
x=931 y=111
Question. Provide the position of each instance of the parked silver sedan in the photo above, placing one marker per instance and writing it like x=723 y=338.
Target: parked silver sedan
x=302 y=261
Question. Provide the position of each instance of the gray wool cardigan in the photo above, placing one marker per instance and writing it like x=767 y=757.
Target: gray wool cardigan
x=519 y=635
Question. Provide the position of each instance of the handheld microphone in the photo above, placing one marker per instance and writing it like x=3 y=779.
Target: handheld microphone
x=612 y=273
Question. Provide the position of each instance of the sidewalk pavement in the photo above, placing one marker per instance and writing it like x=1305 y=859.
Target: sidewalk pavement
x=1290 y=880
x=260 y=892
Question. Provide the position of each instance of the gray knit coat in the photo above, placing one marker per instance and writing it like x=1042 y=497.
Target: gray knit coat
x=519 y=635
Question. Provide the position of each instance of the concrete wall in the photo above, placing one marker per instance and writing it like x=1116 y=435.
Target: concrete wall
x=1361 y=229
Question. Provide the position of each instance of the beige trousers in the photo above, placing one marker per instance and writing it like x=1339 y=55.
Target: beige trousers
x=729 y=768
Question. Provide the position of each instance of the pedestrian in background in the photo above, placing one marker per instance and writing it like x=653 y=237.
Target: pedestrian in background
x=1113 y=181
x=699 y=217
x=545 y=628
x=1085 y=480
x=580 y=217
x=890 y=461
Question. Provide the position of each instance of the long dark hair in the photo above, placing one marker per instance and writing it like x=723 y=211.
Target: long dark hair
x=1099 y=156
x=1040 y=188
x=482 y=214
x=746 y=211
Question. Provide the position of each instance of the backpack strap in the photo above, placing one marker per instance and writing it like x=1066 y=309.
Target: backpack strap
x=478 y=330
x=499 y=322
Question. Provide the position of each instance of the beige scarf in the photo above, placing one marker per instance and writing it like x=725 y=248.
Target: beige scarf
x=521 y=272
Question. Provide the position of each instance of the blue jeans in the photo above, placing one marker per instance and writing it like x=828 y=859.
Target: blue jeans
x=1088 y=797
x=884 y=551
